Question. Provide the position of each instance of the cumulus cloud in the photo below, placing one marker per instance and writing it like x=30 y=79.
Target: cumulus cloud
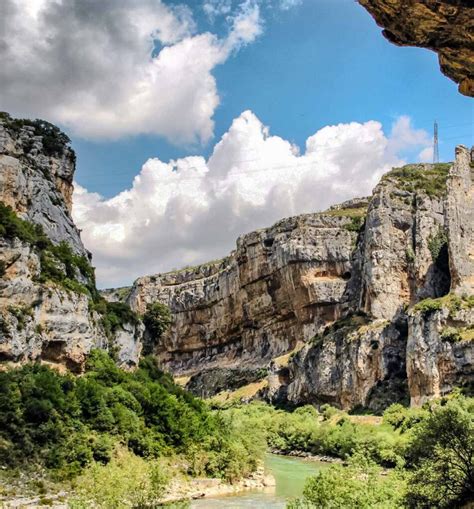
x=191 y=210
x=111 y=68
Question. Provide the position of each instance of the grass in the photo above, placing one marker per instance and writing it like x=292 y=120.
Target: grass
x=241 y=394
x=416 y=178
x=452 y=302
x=349 y=212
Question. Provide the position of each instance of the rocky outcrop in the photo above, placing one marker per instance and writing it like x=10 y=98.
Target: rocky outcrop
x=42 y=321
x=357 y=362
x=280 y=285
x=36 y=177
x=444 y=26
x=440 y=351
x=460 y=223
x=397 y=265
x=46 y=292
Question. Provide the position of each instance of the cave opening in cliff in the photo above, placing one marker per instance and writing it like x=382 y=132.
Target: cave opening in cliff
x=442 y=273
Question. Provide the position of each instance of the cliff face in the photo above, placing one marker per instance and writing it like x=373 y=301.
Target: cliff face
x=36 y=173
x=46 y=281
x=444 y=26
x=281 y=285
x=340 y=291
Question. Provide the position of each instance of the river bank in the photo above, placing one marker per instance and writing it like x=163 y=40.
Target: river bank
x=307 y=456
x=180 y=489
x=193 y=489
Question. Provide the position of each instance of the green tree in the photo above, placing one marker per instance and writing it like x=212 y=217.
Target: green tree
x=360 y=485
x=157 y=319
x=441 y=455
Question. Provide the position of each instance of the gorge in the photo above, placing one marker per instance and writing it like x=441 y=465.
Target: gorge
x=361 y=306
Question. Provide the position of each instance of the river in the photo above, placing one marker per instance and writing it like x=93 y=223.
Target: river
x=290 y=476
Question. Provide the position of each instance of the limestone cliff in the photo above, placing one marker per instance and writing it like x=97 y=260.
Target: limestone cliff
x=281 y=285
x=47 y=287
x=339 y=289
x=444 y=26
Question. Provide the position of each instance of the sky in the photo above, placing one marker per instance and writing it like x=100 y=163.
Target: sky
x=195 y=122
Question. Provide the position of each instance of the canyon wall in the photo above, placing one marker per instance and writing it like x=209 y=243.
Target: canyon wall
x=368 y=303
x=326 y=303
x=281 y=285
x=46 y=281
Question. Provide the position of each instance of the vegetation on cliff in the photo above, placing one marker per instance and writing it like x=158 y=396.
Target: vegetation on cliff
x=53 y=139
x=413 y=178
x=59 y=264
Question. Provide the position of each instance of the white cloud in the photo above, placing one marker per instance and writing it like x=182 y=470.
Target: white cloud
x=95 y=67
x=192 y=210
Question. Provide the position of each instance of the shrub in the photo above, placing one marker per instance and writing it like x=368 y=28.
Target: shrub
x=450 y=334
x=356 y=224
x=157 y=319
x=437 y=243
x=65 y=423
x=127 y=481
x=428 y=306
x=53 y=139
x=360 y=484
x=58 y=262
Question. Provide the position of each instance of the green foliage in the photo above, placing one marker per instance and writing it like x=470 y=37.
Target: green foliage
x=427 y=306
x=450 y=334
x=356 y=224
x=441 y=457
x=127 y=481
x=436 y=244
x=429 y=179
x=64 y=423
x=114 y=315
x=59 y=263
x=452 y=302
x=331 y=432
x=410 y=255
x=157 y=319
x=12 y=227
x=53 y=139
x=402 y=418
x=360 y=484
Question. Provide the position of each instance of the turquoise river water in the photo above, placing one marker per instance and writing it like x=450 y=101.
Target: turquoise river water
x=290 y=476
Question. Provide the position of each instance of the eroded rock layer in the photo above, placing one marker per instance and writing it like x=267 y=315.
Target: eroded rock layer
x=445 y=26
x=280 y=285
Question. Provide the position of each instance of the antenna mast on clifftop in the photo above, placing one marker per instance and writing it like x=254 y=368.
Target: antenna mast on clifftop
x=435 y=143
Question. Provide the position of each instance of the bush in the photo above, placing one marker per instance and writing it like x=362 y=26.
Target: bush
x=59 y=263
x=360 y=484
x=127 y=481
x=53 y=139
x=157 y=319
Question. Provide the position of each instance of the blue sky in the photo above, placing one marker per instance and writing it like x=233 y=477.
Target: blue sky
x=197 y=122
x=320 y=63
